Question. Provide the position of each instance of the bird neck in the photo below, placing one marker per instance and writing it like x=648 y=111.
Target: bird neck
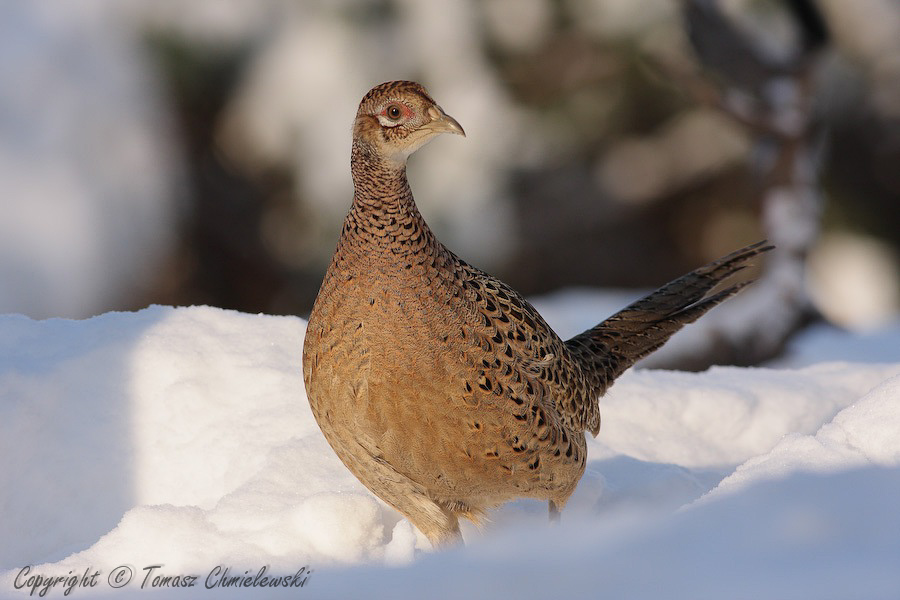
x=384 y=213
x=378 y=182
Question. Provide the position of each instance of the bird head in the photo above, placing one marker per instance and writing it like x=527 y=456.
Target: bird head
x=397 y=118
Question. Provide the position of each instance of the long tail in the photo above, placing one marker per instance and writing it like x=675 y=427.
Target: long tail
x=609 y=348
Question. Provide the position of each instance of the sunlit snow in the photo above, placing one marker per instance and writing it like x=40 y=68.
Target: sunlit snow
x=181 y=437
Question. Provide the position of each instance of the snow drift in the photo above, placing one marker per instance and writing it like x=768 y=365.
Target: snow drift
x=174 y=441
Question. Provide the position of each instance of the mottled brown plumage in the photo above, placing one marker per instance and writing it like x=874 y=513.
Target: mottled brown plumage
x=441 y=388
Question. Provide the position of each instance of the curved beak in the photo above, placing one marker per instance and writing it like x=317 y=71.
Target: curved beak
x=441 y=122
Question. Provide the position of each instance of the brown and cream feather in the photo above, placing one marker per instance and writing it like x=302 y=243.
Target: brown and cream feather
x=441 y=388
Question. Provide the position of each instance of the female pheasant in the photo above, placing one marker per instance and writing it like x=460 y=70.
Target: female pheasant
x=441 y=388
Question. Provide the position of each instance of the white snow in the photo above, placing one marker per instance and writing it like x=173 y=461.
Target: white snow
x=181 y=437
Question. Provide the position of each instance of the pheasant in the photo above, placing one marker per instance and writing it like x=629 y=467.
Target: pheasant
x=438 y=386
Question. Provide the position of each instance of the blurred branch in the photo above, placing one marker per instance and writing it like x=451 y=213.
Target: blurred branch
x=774 y=101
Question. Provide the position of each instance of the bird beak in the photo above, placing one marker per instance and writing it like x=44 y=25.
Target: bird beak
x=441 y=122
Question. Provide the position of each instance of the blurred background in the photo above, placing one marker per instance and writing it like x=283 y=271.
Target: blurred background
x=158 y=151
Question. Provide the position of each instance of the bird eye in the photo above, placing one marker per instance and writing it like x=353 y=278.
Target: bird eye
x=393 y=112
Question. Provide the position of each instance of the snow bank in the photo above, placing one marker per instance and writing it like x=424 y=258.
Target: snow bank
x=863 y=434
x=181 y=437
